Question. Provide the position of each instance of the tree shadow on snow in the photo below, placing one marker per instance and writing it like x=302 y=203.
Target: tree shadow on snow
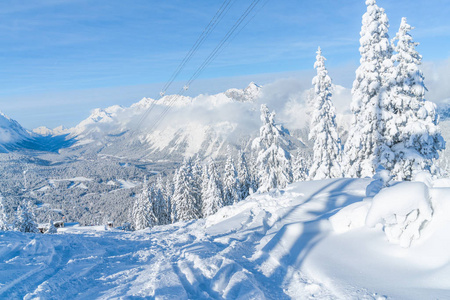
x=294 y=241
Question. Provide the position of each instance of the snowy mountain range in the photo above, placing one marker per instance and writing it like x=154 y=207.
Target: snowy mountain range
x=206 y=124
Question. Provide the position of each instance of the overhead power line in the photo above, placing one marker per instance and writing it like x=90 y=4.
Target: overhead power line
x=209 y=59
x=218 y=16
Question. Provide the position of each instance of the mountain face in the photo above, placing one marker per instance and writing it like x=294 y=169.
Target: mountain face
x=13 y=137
x=203 y=125
x=170 y=128
x=176 y=126
x=12 y=134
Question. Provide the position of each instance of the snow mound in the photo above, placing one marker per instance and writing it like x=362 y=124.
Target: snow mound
x=403 y=209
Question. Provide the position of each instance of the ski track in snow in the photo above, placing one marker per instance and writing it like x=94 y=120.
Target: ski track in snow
x=252 y=250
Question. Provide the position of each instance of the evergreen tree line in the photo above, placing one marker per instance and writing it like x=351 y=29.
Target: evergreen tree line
x=198 y=190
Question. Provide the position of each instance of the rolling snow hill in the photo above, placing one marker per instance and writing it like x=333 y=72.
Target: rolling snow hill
x=277 y=245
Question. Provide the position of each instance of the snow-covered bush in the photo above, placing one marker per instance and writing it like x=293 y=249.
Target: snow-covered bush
x=51 y=228
x=381 y=179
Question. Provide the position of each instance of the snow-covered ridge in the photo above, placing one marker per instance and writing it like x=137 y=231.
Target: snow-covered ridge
x=11 y=131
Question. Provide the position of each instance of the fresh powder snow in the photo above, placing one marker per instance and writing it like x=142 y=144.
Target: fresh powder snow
x=275 y=245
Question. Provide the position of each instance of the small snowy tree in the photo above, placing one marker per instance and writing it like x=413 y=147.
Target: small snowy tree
x=25 y=220
x=300 y=169
x=415 y=138
x=327 y=145
x=162 y=207
x=186 y=196
x=51 y=228
x=230 y=182
x=142 y=214
x=211 y=191
x=273 y=161
x=244 y=177
x=366 y=141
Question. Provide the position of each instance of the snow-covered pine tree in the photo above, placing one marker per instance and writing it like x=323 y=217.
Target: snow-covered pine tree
x=186 y=195
x=168 y=194
x=211 y=191
x=413 y=124
x=365 y=141
x=300 y=169
x=327 y=145
x=230 y=181
x=162 y=207
x=244 y=177
x=273 y=161
x=3 y=216
x=253 y=168
x=197 y=173
x=143 y=209
x=25 y=220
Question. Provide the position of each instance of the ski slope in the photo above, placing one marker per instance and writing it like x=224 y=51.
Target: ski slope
x=278 y=245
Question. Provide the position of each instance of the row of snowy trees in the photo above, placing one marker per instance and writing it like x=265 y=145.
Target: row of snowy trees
x=24 y=220
x=197 y=190
x=392 y=126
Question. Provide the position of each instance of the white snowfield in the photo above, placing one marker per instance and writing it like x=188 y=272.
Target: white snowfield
x=277 y=245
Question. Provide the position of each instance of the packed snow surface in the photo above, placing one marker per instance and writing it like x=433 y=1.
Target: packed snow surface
x=276 y=245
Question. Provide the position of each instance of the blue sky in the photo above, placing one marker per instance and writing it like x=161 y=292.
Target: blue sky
x=59 y=59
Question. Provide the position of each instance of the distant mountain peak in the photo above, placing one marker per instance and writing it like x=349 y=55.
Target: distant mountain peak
x=250 y=94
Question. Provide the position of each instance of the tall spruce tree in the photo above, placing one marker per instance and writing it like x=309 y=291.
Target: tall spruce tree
x=231 y=191
x=366 y=142
x=187 y=197
x=142 y=213
x=162 y=206
x=300 y=169
x=327 y=145
x=212 y=191
x=244 y=177
x=415 y=137
x=273 y=161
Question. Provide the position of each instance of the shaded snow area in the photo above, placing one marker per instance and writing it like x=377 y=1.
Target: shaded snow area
x=277 y=245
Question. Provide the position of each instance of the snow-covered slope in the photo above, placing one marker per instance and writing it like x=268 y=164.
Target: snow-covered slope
x=279 y=245
x=11 y=132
